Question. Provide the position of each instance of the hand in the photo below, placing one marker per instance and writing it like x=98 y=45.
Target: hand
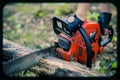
x=106 y=31
x=104 y=19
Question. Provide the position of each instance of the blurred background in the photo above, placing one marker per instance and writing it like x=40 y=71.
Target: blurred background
x=30 y=25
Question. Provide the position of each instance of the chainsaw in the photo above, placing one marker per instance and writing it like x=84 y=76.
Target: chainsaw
x=82 y=45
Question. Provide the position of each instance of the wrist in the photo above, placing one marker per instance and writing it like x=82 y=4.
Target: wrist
x=80 y=16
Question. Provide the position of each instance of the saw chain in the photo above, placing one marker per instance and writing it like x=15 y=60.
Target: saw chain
x=29 y=60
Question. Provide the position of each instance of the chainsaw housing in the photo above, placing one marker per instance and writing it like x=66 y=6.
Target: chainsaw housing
x=71 y=45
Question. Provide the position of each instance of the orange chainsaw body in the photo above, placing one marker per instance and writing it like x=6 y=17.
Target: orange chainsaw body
x=77 y=49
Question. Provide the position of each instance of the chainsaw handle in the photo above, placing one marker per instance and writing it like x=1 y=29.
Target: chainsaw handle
x=60 y=26
x=107 y=40
x=88 y=46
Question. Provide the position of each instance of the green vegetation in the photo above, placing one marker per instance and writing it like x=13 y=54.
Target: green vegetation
x=29 y=74
x=64 y=10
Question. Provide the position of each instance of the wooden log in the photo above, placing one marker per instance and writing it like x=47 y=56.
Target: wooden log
x=50 y=66
x=14 y=50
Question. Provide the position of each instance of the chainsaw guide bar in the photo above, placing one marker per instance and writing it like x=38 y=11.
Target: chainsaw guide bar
x=28 y=60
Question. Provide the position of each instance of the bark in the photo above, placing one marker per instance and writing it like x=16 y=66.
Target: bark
x=14 y=50
x=50 y=66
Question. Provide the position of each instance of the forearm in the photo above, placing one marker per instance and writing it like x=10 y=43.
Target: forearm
x=105 y=7
x=81 y=11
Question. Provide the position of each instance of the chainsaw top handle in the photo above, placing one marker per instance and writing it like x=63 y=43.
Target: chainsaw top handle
x=88 y=47
x=60 y=26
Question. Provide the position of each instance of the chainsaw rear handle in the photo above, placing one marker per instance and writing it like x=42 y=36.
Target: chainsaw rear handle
x=60 y=26
x=88 y=46
x=107 y=40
